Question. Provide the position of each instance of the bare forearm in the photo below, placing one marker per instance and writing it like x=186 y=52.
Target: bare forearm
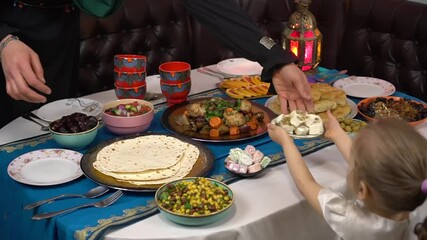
x=344 y=143
x=302 y=176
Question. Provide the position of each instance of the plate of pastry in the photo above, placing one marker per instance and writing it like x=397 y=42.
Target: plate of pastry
x=325 y=97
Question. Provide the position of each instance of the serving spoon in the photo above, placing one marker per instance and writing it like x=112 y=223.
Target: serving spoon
x=92 y=193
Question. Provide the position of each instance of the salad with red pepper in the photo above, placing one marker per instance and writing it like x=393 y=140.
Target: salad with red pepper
x=128 y=109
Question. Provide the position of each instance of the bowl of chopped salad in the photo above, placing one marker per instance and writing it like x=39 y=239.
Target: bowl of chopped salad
x=194 y=200
x=128 y=116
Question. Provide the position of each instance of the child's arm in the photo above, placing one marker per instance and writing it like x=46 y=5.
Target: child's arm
x=335 y=133
x=303 y=179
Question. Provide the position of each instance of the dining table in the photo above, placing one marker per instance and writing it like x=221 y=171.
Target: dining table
x=267 y=206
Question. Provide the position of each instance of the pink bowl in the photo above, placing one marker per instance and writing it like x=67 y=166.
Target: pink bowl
x=127 y=125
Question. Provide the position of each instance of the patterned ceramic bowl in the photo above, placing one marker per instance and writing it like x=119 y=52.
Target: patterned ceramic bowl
x=201 y=218
x=131 y=92
x=175 y=93
x=129 y=79
x=127 y=125
x=395 y=105
x=175 y=72
x=130 y=63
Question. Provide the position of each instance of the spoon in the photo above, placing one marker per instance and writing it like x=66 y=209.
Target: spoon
x=92 y=193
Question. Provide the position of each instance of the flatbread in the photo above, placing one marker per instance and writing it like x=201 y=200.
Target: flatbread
x=189 y=159
x=145 y=175
x=141 y=154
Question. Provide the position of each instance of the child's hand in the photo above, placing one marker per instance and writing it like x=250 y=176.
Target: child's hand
x=332 y=127
x=278 y=134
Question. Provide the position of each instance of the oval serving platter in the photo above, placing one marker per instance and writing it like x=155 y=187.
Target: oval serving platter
x=203 y=165
x=168 y=121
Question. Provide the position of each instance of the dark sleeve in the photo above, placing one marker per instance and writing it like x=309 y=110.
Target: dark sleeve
x=235 y=29
x=6 y=30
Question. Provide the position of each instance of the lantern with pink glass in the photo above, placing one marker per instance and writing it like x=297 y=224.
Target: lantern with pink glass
x=302 y=37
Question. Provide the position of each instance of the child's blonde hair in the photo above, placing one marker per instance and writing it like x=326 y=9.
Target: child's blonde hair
x=390 y=156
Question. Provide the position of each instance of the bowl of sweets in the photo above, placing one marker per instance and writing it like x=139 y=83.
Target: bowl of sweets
x=194 y=200
x=248 y=162
x=74 y=131
x=374 y=108
x=128 y=116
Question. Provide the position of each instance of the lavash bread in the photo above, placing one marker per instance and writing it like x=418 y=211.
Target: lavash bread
x=146 y=160
x=141 y=154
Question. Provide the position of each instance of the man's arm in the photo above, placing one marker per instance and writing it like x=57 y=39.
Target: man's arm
x=234 y=28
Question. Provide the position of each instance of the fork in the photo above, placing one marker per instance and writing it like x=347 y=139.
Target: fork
x=101 y=204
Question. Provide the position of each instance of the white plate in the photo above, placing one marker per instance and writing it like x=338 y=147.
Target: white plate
x=365 y=87
x=46 y=167
x=353 y=106
x=55 y=110
x=239 y=66
x=308 y=136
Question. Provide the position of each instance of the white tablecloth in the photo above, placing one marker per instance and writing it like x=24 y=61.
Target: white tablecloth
x=267 y=207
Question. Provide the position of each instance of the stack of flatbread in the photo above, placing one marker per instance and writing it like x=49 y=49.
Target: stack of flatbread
x=325 y=97
x=147 y=160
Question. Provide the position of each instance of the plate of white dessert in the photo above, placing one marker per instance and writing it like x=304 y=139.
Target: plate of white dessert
x=300 y=124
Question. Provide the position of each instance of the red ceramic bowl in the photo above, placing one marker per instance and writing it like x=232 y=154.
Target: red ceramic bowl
x=175 y=93
x=363 y=104
x=127 y=125
x=130 y=63
x=131 y=92
x=175 y=72
x=129 y=79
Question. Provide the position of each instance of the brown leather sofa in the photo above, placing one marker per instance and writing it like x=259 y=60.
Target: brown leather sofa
x=380 y=38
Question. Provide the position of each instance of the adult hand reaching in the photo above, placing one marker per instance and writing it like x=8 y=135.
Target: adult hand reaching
x=23 y=72
x=292 y=89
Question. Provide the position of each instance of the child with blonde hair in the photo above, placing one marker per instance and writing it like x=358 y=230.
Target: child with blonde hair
x=387 y=172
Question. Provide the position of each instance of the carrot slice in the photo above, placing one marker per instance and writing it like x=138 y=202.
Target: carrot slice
x=215 y=122
x=234 y=130
x=252 y=124
x=214 y=132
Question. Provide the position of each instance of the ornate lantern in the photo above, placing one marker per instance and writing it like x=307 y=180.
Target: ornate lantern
x=302 y=36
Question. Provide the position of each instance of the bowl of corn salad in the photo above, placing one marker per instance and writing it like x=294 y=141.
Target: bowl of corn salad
x=194 y=200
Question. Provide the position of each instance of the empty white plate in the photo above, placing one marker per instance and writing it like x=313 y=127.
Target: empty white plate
x=46 y=167
x=365 y=87
x=239 y=66
x=57 y=109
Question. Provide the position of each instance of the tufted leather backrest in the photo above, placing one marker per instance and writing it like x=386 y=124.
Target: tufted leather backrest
x=163 y=31
x=387 y=39
x=157 y=29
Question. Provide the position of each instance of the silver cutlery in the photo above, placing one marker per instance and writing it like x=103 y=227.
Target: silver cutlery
x=101 y=204
x=92 y=193
x=212 y=71
x=43 y=127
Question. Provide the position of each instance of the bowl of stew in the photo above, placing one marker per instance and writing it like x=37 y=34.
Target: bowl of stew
x=128 y=116
x=194 y=201
x=374 y=108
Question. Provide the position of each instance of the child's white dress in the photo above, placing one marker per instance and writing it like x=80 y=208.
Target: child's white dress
x=351 y=221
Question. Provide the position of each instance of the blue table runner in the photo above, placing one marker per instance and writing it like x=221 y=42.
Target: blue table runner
x=91 y=223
